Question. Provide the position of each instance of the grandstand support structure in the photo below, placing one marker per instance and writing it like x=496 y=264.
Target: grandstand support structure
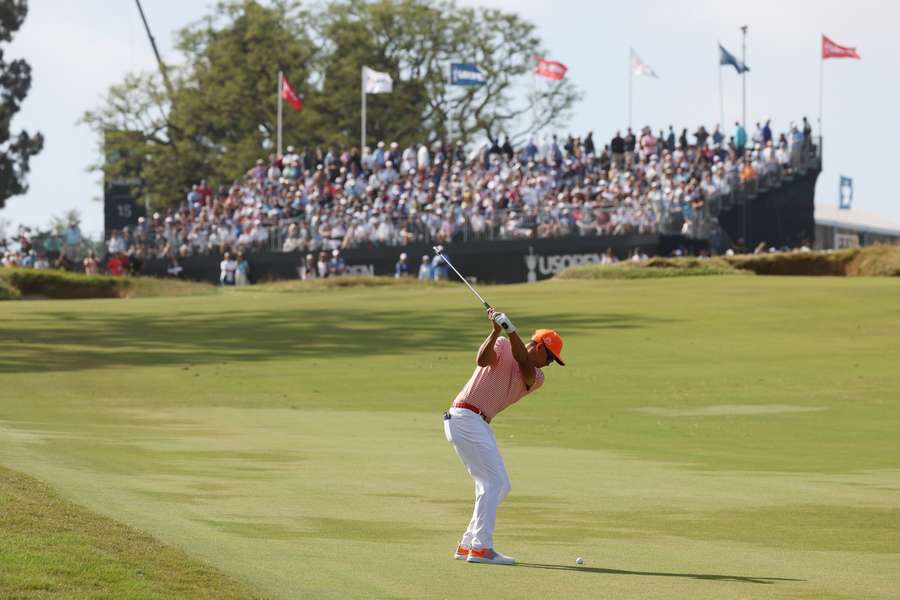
x=777 y=209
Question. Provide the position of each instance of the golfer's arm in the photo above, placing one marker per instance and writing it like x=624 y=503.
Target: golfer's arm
x=520 y=354
x=486 y=355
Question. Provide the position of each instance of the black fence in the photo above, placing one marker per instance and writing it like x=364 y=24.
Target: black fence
x=495 y=262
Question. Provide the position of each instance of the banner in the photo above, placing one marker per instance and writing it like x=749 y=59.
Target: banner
x=376 y=82
x=639 y=67
x=551 y=69
x=290 y=96
x=466 y=74
x=832 y=50
x=845 y=193
x=727 y=58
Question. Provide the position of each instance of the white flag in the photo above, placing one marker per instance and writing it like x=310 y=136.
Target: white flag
x=639 y=67
x=376 y=82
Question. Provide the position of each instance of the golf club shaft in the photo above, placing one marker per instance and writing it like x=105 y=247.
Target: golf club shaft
x=458 y=274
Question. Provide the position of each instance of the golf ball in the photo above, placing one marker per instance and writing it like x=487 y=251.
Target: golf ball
x=579 y=561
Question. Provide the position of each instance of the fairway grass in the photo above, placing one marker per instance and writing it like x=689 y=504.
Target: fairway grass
x=721 y=437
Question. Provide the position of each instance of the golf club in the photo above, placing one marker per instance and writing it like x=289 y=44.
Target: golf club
x=438 y=252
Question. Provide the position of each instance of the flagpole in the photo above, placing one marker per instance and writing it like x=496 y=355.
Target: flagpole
x=821 y=77
x=449 y=104
x=280 y=88
x=744 y=77
x=362 y=86
x=721 y=100
x=630 y=78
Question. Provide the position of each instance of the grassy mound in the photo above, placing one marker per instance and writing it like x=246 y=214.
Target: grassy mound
x=51 y=547
x=878 y=261
x=8 y=291
x=351 y=281
x=652 y=268
x=54 y=284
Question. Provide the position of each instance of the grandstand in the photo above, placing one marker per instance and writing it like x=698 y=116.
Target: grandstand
x=560 y=198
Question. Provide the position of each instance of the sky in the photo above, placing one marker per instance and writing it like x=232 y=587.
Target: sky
x=77 y=50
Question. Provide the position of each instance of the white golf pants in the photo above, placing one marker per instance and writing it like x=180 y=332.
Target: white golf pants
x=476 y=446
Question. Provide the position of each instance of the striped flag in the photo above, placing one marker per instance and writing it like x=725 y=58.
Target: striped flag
x=639 y=67
x=832 y=50
x=551 y=69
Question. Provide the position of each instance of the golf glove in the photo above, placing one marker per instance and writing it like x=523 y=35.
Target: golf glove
x=503 y=321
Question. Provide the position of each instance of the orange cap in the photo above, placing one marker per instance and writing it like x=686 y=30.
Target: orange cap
x=551 y=341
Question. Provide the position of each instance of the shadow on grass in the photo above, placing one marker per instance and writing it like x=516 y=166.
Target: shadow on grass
x=71 y=341
x=707 y=577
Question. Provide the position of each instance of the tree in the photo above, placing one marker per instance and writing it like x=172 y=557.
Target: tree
x=220 y=115
x=415 y=41
x=16 y=150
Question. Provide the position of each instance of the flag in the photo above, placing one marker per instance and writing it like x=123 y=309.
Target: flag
x=727 y=58
x=845 y=193
x=639 y=67
x=466 y=74
x=550 y=69
x=289 y=95
x=376 y=82
x=832 y=50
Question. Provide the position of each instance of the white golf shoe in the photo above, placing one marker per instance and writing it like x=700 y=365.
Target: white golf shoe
x=489 y=556
x=461 y=552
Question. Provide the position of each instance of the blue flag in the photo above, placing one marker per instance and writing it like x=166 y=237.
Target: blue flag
x=466 y=74
x=845 y=193
x=727 y=58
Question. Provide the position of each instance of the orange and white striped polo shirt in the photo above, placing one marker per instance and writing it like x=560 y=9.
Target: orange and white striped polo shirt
x=493 y=388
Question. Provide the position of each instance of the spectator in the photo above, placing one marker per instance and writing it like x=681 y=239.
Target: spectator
x=227 y=270
x=322 y=265
x=740 y=137
x=617 y=149
x=401 y=268
x=438 y=267
x=425 y=269
x=91 y=266
x=336 y=265
x=116 y=264
x=308 y=268
x=242 y=273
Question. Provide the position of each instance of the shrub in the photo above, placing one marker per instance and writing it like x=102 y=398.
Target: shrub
x=652 y=268
x=7 y=290
x=50 y=283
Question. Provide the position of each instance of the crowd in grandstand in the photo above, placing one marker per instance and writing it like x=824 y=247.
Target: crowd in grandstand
x=316 y=201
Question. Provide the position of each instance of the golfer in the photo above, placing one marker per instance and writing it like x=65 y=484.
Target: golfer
x=507 y=370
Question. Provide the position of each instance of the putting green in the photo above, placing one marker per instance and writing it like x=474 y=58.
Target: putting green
x=723 y=437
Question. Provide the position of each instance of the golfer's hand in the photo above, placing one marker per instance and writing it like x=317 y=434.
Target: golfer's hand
x=503 y=321
x=491 y=313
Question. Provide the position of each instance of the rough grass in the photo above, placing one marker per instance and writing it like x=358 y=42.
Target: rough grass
x=54 y=284
x=878 y=260
x=8 y=291
x=653 y=268
x=354 y=281
x=51 y=548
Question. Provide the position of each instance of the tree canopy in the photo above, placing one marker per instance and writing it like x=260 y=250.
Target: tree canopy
x=220 y=115
x=16 y=149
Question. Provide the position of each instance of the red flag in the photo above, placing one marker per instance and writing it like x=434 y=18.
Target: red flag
x=288 y=93
x=832 y=50
x=550 y=69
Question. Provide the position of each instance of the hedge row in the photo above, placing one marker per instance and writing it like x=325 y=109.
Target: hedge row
x=54 y=284
x=879 y=260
